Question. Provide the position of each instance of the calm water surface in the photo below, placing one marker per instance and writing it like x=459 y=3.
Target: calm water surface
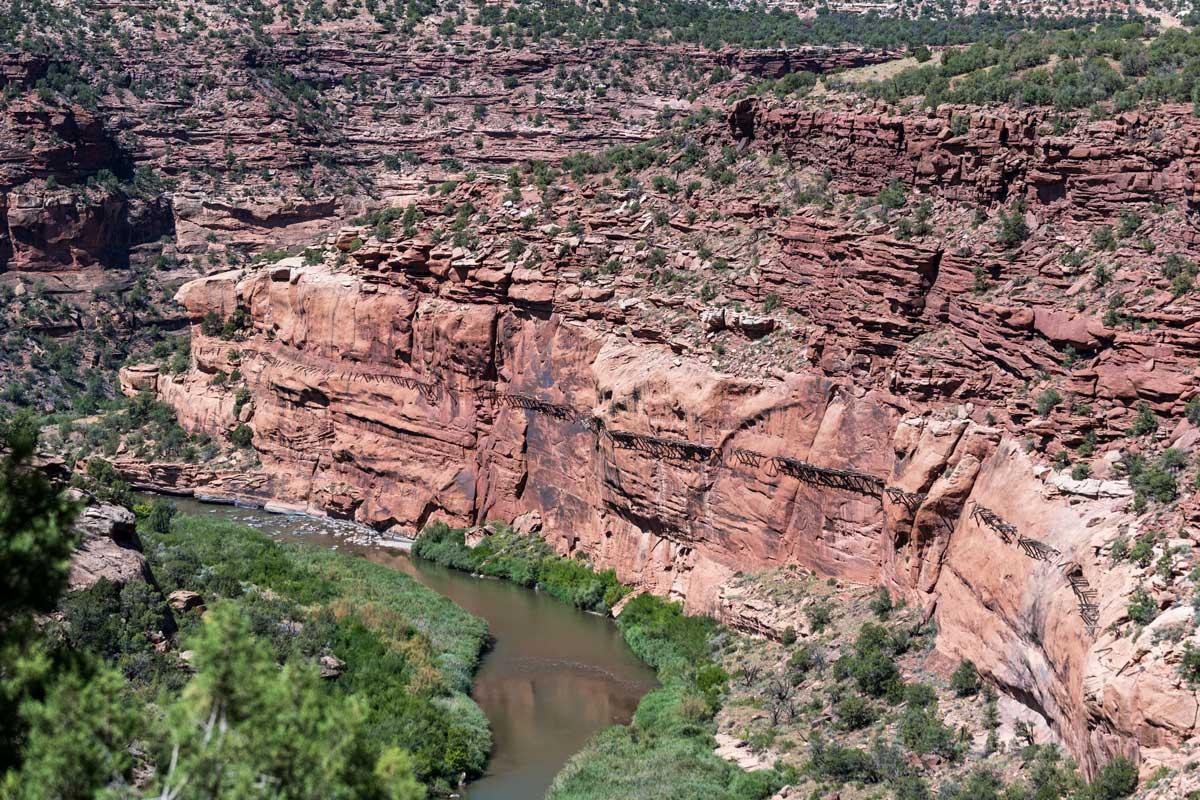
x=554 y=678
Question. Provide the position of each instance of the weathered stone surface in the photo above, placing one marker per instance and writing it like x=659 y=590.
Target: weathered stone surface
x=109 y=549
x=185 y=600
x=337 y=435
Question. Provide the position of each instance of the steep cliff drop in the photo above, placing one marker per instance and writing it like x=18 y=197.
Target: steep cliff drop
x=403 y=379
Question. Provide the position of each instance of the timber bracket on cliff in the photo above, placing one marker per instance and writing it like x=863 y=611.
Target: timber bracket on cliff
x=1085 y=595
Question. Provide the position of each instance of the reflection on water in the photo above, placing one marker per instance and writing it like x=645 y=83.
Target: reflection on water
x=554 y=678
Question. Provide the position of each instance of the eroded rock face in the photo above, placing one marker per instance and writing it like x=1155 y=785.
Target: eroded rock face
x=399 y=381
x=326 y=417
x=1092 y=172
x=231 y=172
x=109 y=550
x=340 y=364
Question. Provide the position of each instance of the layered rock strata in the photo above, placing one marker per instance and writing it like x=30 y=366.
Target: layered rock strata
x=340 y=368
x=405 y=379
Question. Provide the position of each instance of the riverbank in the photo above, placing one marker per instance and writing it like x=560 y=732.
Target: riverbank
x=553 y=677
x=403 y=654
x=667 y=751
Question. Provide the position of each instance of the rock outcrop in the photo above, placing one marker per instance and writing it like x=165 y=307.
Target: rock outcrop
x=109 y=548
x=558 y=346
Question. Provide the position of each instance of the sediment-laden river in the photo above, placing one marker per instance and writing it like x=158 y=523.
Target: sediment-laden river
x=554 y=678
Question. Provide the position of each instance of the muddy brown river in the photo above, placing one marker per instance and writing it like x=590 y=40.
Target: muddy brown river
x=555 y=676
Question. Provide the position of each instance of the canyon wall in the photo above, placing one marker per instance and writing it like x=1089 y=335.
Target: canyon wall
x=81 y=188
x=339 y=365
x=404 y=379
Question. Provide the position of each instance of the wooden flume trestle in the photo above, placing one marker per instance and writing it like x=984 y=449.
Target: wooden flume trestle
x=1085 y=596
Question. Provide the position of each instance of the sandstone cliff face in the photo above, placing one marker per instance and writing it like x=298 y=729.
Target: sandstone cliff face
x=325 y=416
x=373 y=397
x=894 y=293
x=45 y=228
x=408 y=378
x=1092 y=172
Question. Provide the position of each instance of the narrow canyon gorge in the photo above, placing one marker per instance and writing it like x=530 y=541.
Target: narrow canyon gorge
x=400 y=388
x=692 y=307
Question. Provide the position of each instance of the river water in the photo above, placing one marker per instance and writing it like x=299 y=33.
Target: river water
x=554 y=677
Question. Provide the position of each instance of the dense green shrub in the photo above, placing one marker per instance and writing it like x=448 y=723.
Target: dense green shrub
x=409 y=653
x=841 y=764
x=112 y=622
x=1142 y=608
x=159 y=515
x=1144 y=422
x=854 y=713
x=872 y=664
x=525 y=560
x=892 y=196
x=1047 y=400
x=1012 y=230
x=103 y=480
x=664 y=637
x=625 y=762
x=1152 y=480
x=819 y=615
x=1192 y=411
x=1143 y=550
x=965 y=680
x=241 y=435
x=881 y=604
x=805 y=659
x=1189 y=665
x=1115 y=780
x=922 y=731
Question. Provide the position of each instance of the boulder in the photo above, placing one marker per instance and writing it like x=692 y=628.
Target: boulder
x=528 y=523
x=185 y=600
x=109 y=548
x=330 y=665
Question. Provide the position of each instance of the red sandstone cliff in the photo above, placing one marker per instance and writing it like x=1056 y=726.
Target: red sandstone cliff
x=335 y=435
x=378 y=382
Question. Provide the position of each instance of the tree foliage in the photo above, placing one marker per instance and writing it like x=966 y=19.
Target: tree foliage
x=244 y=727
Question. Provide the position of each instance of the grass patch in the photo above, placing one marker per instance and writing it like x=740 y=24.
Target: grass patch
x=213 y=556
x=522 y=559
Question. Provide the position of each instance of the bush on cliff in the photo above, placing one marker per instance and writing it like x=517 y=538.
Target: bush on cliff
x=1152 y=480
x=872 y=664
x=1115 y=780
x=965 y=681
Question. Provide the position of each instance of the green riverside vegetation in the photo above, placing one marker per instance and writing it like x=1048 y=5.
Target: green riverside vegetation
x=526 y=560
x=309 y=674
x=667 y=751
